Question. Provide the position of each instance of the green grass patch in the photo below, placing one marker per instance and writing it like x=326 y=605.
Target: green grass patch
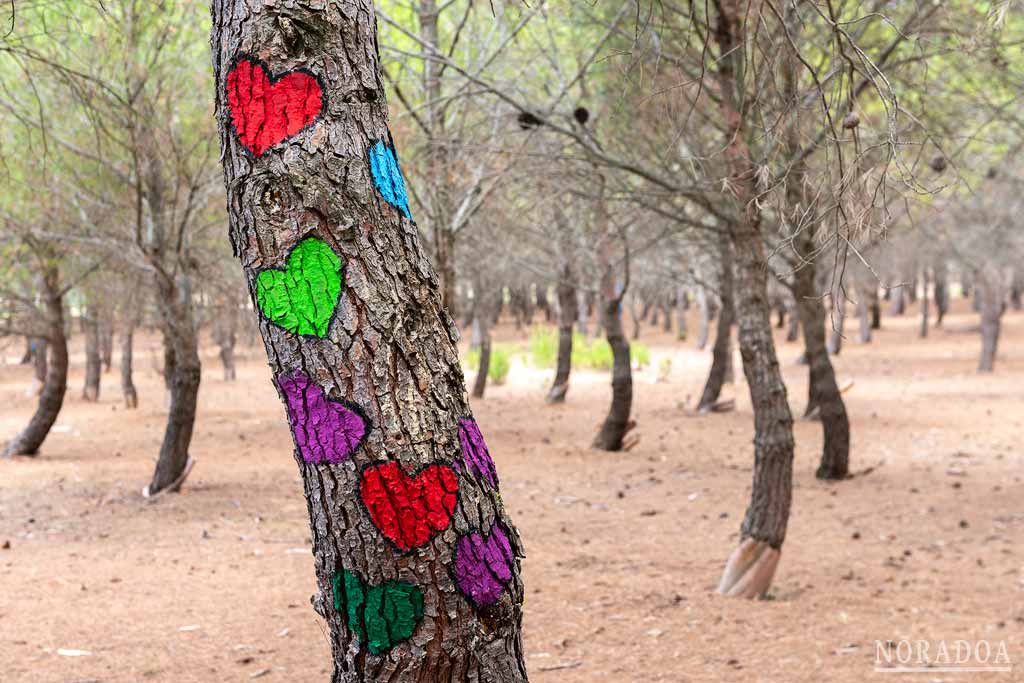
x=591 y=354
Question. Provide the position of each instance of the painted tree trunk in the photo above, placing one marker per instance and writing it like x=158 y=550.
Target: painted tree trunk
x=51 y=398
x=416 y=559
x=721 y=352
x=566 y=317
x=182 y=373
x=93 y=363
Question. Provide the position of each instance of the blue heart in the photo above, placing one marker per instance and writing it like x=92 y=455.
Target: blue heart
x=387 y=176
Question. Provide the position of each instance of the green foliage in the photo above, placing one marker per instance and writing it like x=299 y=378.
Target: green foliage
x=498 y=369
x=587 y=353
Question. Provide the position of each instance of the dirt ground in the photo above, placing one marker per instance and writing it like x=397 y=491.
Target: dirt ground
x=624 y=549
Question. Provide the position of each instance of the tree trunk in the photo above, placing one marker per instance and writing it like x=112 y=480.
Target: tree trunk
x=751 y=567
x=484 y=364
x=106 y=333
x=989 y=294
x=416 y=559
x=864 y=315
x=51 y=398
x=26 y=357
x=131 y=396
x=703 y=331
x=876 y=309
x=634 y=316
x=941 y=291
x=721 y=352
x=182 y=371
x=617 y=423
x=566 y=317
x=93 y=362
x=225 y=335
x=899 y=300
x=793 y=332
x=823 y=397
x=924 y=304
x=40 y=366
x=681 y=306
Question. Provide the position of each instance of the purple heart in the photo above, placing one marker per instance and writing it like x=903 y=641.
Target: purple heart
x=323 y=429
x=483 y=567
x=474 y=452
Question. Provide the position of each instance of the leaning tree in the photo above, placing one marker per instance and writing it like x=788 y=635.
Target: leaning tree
x=416 y=558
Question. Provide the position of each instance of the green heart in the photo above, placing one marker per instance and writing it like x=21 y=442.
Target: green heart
x=381 y=616
x=301 y=298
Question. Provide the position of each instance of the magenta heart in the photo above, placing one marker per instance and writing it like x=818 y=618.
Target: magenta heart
x=483 y=566
x=324 y=430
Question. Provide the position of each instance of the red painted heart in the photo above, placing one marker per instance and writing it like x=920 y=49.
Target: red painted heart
x=268 y=109
x=409 y=511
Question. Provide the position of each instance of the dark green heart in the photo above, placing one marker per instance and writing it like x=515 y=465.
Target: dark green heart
x=302 y=297
x=380 y=616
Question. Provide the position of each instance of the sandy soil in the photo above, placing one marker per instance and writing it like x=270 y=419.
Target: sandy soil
x=624 y=550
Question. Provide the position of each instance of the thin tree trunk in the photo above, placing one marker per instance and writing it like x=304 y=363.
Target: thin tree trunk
x=941 y=273
x=106 y=332
x=40 y=363
x=864 y=315
x=703 y=331
x=899 y=299
x=751 y=567
x=26 y=357
x=721 y=352
x=225 y=335
x=793 y=332
x=416 y=558
x=484 y=365
x=823 y=397
x=618 y=422
x=681 y=306
x=837 y=328
x=876 y=309
x=183 y=371
x=93 y=362
x=924 y=304
x=131 y=396
x=51 y=398
x=566 y=317
x=989 y=293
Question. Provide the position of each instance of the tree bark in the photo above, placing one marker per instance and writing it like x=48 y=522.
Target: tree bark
x=128 y=391
x=864 y=314
x=51 y=398
x=26 y=357
x=838 y=321
x=93 y=362
x=383 y=365
x=40 y=365
x=924 y=304
x=751 y=567
x=941 y=290
x=721 y=352
x=876 y=309
x=225 y=335
x=704 y=329
x=681 y=306
x=106 y=333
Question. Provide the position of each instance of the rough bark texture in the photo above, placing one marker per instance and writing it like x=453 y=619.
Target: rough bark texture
x=93 y=362
x=721 y=353
x=566 y=317
x=388 y=350
x=768 y=514
x=51 y=398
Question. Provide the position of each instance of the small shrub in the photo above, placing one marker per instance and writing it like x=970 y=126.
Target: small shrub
x=499 y=366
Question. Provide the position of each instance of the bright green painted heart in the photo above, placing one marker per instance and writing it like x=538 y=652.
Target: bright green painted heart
x=380 y=616
x=301 y=298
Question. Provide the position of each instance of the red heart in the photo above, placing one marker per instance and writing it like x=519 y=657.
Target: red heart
x=409 y=511
x=267 y=109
